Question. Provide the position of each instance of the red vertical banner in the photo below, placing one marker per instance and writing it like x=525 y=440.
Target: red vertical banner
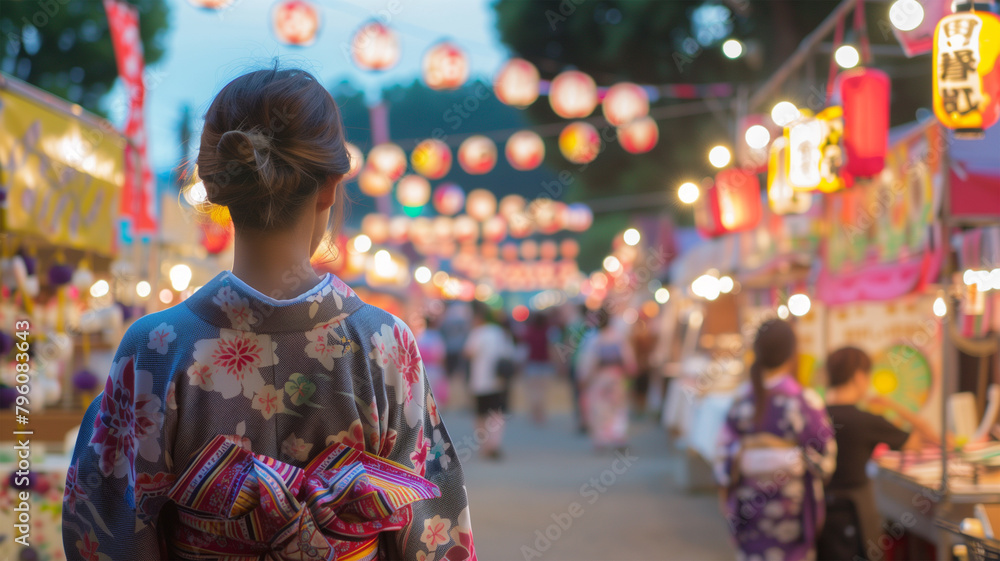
x=138 y=198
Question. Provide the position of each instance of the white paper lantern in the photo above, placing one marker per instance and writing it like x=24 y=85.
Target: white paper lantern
x=525 y=150
x=413 y=191
x=573 y=95
x=375 y=47
x=388 y=159
x=449 y=199
x=421 y=230
x=445 y=67
x=517 y=83
x=624 y=103
x=639 y=136
x=296 y=22
x=443 y=228
x=465 y=229
x=477 y=155
x=481 y=204
x=399 y=229
x=494 y=229
x=357 y=160
x=511 y=205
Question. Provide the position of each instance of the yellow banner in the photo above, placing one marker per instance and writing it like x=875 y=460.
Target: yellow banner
x=62 y=174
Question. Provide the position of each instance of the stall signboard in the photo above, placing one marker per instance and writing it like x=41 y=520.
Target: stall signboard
x=888 y=218
x=61 y=173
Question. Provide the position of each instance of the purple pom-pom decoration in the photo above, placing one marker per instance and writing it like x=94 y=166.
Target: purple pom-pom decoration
x=6 y=343
x=84 y=380
x=15 y=479
x=7 y=397
x=28 y=554
x=60 y=275
x=30 y=263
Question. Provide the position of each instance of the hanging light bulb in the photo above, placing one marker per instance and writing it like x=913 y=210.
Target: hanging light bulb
x=688 y=193
x=732 y=48
x=784 y=113
x=847 y=56
x=906 y=15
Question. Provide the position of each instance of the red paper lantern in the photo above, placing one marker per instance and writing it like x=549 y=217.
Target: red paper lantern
x=445 y=67
x=624 y=103
x=296 y=22
x=731 y=204
x=388 y=159
x=639 y=136
x=573 y=95
x=357 y=160
x=579 y=142
x=517 y=83
x=525 y=150
x=431 y=159
x=865 y=96
x=215 y=238
x=375 y=47
x=449 y=199
x=413 y=191
x=477 y=155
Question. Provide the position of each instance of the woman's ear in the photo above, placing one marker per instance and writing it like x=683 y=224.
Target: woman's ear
x=328 y=193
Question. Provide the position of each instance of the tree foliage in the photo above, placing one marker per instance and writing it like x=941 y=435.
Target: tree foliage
x=64 y=47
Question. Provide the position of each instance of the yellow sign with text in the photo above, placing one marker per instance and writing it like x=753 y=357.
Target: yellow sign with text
x=61 y=174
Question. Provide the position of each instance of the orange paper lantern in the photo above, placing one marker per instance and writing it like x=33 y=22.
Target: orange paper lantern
x=477 y=155
x=517 y=83
x=525 y=150
x=569 y=248
x=529 y=249
x=731 y=204
x=445 y=67
x=573 y=95
x=374 y=183
x=548 y=250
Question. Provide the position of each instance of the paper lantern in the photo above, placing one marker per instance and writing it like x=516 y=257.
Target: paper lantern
x=510 y=205
x=431 y=159
x=449 y=199
x=579 y=142
x=624 y=103
x=465 y=228
x=357 y=160
x=477 y=155
x=548 y=250
x=754 y=136
x=481 y=204
x=376 y=227
x=781 y=196
x=529 y=249
x=525 y=150
x=804 y=154
x=296 y=22
x=549 y=216
x=864 y=93
x=569 y=248
x=731 y=204
x=443 y=228
x=389 y=159
x=521 y=225
x=215 y=238
x=489 y=251
x=374 y=183
x=413 y=191
x=421 y=230
x=375 y=47
x=967 y=73
x=517 y=83
x=639 y=136
x=509 y=251
x=573 y=95
x=494 y=229
x=211 y=4
x=399 y=229
x=445 y=67
x=579 y=217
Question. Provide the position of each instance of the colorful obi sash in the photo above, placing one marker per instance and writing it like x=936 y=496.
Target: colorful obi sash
x=238 y=505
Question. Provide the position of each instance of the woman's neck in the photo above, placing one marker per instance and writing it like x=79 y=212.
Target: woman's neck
x=274 y=263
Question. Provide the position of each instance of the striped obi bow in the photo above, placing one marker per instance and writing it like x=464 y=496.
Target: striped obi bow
x=237 y=505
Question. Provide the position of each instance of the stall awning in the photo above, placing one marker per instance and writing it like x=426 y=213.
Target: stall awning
x=975 y=176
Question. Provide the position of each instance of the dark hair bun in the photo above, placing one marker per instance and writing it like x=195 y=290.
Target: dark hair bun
x=246 y=160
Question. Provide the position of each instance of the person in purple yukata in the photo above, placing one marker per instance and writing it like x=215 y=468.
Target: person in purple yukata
x=776 y=450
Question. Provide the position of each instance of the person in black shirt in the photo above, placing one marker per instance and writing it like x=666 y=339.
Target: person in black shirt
x=853 y=525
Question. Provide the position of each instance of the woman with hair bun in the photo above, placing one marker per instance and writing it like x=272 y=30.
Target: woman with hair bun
x=776 y=449
x=273 y=414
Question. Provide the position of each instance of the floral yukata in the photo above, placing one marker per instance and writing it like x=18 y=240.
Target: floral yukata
x=775 y=514
x=234 y=426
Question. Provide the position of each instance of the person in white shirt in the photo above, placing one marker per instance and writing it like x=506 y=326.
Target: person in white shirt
x=485 y=347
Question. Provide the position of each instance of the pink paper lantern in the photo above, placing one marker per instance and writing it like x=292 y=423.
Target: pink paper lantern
x=525 y=150
x=494 y=229
x=388 y=159
x=481 y=204
x=465 y=228
x=449 y=199
x=374 y=183
x=573 y=95
x=357 y=160
x=413 y=191
x=431 y=159
x=624 y=103
x=517 y=83
x=639 y=136
x=445 y=67
x=579 y=142
x=477 y=155
x=295 y=22
x=375 y=47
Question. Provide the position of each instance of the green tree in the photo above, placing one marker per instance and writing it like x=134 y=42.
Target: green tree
x=64 y=47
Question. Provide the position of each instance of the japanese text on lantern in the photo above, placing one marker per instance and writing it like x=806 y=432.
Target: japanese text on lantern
x=958 y=58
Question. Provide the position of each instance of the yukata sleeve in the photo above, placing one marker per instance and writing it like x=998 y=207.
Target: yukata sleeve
x=816 y=436
x=727 y=450
x=118 y=475
x=440 y=528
